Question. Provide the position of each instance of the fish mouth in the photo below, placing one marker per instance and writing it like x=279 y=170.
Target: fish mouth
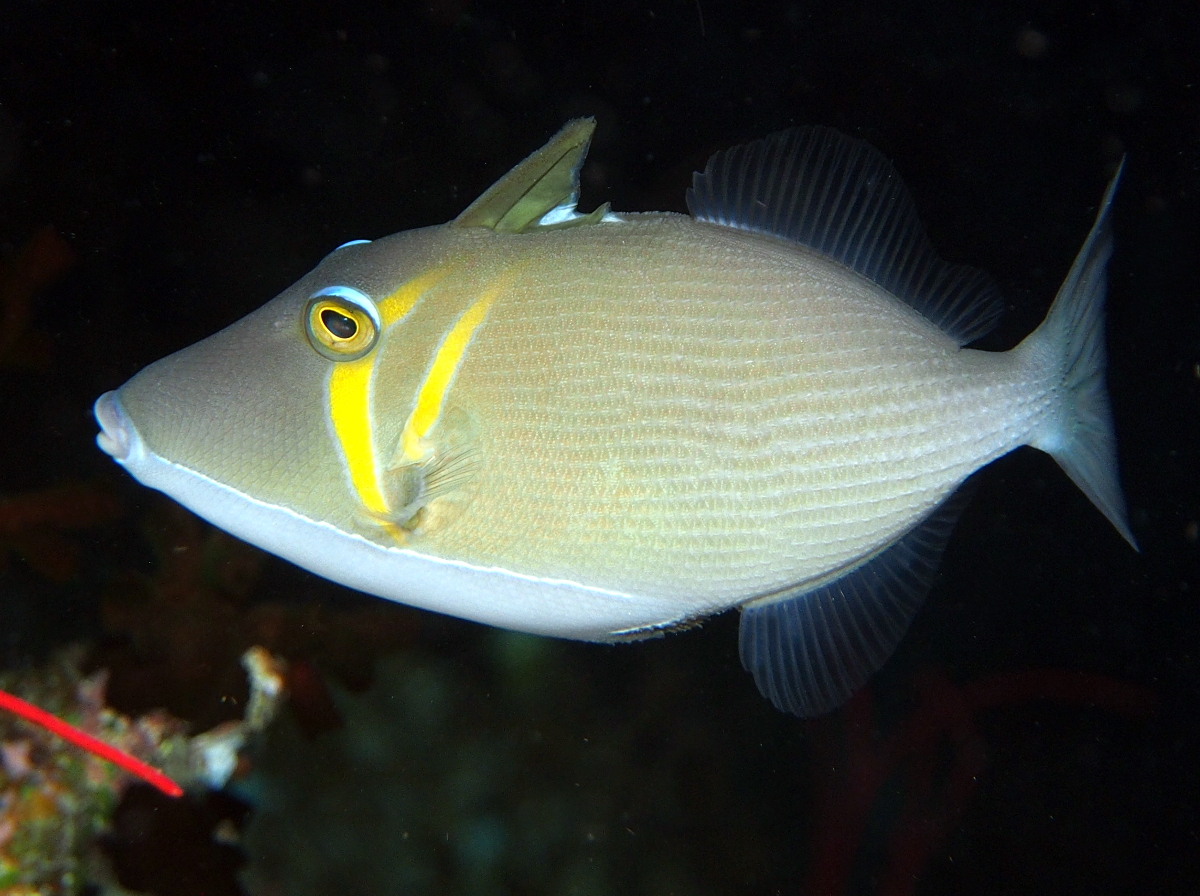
x=117 y=436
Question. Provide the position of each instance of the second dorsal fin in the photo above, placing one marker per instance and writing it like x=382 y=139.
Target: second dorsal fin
x=840 y=196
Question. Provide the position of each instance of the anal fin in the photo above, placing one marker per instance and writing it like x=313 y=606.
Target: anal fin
x=810 y=649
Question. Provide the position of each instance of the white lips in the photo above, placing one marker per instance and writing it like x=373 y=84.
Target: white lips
x=117 y=436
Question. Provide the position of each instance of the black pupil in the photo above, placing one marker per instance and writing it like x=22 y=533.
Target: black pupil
x=338 y=324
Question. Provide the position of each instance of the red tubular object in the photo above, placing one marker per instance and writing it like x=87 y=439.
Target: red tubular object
x=93 y=745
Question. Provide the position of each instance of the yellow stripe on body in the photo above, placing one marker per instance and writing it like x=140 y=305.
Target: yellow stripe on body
x=350 y=398
x=350 y=411
x=432 y=393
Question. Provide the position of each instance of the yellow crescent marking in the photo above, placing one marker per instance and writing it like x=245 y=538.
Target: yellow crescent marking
x=350 y=397
x=432 y=393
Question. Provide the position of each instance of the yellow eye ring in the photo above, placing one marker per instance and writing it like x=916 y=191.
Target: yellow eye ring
x=338 y=328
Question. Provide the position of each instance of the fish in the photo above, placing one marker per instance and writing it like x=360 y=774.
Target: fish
x=607 y=426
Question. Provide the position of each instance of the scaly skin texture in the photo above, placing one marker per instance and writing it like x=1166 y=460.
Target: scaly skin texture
x=656 y=407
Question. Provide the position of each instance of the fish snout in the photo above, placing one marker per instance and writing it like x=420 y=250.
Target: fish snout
x=117 y=436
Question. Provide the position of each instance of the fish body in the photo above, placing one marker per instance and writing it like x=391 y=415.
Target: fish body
x=607 y=426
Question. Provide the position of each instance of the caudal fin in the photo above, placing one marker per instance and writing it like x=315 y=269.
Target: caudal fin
x=1080 y=436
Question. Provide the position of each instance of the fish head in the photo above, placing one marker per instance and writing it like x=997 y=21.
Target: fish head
x=305 y=408
x=269 y=419
x=321 y=427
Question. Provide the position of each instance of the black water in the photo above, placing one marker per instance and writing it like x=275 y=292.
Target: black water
x=197 y=158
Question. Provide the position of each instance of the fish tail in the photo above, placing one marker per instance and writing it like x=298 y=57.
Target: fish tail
x=1079 y=432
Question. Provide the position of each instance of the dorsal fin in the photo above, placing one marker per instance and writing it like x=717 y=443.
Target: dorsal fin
x=542 y=191
x=840 y=196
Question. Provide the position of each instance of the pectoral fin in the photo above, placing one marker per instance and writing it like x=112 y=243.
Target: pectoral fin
x=426 y=494
x=544 y=186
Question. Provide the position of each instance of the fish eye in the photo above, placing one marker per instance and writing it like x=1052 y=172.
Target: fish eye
x=338 y=327
x=338 y=324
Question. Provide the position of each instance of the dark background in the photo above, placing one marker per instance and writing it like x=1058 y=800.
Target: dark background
x=200 y=157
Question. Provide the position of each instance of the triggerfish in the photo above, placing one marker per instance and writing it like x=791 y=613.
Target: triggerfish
x=606 y=426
